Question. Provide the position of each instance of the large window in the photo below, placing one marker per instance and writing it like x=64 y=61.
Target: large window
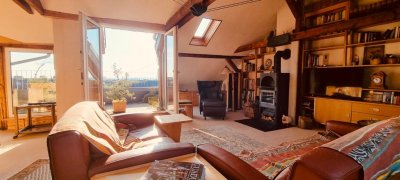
x=30 y=77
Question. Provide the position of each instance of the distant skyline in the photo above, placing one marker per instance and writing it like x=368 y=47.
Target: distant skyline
x=133 y=52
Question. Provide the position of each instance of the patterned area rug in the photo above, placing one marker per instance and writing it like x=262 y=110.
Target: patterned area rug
x=38 y=170
x=268 y=160
x=222 y=137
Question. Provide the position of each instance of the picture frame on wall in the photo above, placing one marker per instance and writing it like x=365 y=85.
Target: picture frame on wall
x=371 y=52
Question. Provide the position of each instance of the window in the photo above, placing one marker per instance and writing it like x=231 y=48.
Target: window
x=30 y=77
x=205 y=32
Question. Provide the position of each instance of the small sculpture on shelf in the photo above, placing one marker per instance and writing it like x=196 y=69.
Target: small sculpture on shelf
x=355 y=61
x=391 y=59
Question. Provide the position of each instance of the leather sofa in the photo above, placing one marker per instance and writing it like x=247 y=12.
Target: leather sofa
x=72 y=156
x=324 y=163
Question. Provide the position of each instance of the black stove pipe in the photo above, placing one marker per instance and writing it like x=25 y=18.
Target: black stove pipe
x=285 y=54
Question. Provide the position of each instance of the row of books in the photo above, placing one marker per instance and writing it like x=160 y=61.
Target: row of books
x=362 y=37
x=328 y=18
x=315 y=60
x=249 y=84
x=384 y=97
x=248 y=95
x=249 y=67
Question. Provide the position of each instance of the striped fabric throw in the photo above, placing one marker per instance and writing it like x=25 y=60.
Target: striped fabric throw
x=375 y=147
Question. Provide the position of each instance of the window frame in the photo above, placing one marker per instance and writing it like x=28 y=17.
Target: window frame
x=7 y=72
x=208 y=35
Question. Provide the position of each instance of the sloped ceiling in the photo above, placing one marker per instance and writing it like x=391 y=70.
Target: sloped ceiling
x=152 y=11
x=240 y=25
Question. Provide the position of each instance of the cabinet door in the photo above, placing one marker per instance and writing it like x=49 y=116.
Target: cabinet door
x=331 y=109
x=355 y=116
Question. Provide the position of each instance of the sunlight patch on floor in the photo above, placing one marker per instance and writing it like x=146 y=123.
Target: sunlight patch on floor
x=8 y=147
x=209 y=134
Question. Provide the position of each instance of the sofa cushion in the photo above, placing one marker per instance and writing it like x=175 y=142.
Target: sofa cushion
x=153 y=141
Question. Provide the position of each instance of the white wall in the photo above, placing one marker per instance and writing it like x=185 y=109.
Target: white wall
x=17 y=24
x=286 y=23
x=67 y=47
x=192 y=69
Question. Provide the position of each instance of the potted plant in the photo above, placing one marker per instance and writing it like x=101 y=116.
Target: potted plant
x=118 y=91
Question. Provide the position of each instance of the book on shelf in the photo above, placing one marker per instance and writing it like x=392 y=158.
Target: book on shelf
x=166 y=169
x=384 y=97
x=370 y=36
x=248 y=95
x=327 y=18
x=317 y=60
x=250 y=84
x=250 y=67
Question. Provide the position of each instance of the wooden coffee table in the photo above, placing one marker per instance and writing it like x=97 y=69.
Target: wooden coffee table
x=137 y=172
x=172 y=124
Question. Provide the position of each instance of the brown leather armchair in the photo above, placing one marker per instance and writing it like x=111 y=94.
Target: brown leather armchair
x=211 y=99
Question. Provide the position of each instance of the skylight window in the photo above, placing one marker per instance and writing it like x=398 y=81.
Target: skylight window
x=205 y=31
x=203 y=26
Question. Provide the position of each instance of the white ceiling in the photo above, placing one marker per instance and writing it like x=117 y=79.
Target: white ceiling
x=153 y=11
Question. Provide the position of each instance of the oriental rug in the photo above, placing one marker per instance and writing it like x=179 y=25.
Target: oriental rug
x=38 y=170
x=268 y=160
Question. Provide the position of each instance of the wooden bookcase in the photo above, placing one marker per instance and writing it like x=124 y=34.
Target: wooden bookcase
x=330 y=60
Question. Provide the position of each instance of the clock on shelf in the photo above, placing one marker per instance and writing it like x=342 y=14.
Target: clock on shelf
x=268 y=64
x=378 y=80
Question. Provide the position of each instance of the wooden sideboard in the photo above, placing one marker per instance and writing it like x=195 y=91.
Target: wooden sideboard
x=352 y=111
x=191 y=96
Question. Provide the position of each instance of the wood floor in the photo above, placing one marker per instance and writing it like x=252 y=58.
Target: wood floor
x=19 y=153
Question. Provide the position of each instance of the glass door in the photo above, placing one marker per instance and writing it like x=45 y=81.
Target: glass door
x=92 y=61
x=170 y=72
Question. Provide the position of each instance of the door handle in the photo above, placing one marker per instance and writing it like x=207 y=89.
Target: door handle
x=375 y=109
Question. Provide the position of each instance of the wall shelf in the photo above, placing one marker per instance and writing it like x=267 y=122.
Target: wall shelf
x=381 y=90
x=380 y=42
x=356 y=66
x=325 y=48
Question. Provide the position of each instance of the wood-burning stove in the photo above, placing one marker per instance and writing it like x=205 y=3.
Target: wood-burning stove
x=274 y=93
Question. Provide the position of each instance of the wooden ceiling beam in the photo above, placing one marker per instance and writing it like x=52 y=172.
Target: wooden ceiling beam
x=24 y=5
x=28 y=45
x=355 y=23
x=60 y=15
x=129 y=23
x=294 y=7
x=252 y=46
x=209 y=56
x=232 y=65
x=117 y=22
x=184 y=15
x=37 y=5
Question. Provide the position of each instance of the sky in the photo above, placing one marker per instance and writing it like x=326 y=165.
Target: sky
x=39 y=68
x=132 y=51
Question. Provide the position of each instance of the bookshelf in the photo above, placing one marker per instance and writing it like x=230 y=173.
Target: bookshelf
x=343 y=59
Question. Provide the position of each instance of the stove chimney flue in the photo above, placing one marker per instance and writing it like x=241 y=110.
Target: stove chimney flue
x=285 y=54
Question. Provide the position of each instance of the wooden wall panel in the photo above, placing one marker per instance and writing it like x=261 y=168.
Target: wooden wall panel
x=3 y=99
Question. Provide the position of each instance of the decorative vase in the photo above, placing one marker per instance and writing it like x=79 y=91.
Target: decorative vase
x=392 y=60
x=119 y=106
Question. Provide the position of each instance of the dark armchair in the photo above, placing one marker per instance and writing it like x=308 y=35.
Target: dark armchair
x=211 y=99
